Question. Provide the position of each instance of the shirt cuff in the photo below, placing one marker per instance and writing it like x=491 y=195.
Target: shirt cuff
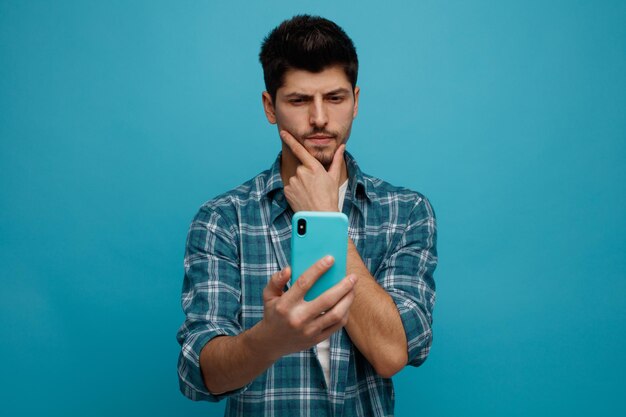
x=189 y=374
x=417 y=329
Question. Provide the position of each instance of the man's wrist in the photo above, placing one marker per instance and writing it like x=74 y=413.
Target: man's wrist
x=258 y=340
x=332 y=208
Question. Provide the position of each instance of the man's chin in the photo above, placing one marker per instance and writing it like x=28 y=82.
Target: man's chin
x=323 y=155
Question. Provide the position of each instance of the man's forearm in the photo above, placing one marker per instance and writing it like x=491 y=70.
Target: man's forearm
x=230 y=362
x=375 y=326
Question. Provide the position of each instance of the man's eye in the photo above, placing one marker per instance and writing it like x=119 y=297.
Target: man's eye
x=296 y=101
x=335 y=99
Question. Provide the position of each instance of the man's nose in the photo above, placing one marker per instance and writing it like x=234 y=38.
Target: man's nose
x=318 y=115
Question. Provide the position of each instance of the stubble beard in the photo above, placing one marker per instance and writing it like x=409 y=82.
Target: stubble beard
x=323 y=154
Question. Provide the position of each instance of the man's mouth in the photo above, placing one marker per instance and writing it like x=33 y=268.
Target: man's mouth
x=319 y=139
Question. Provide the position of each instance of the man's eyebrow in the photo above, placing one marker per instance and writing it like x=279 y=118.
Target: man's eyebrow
x=340 y=90
x=298 y=95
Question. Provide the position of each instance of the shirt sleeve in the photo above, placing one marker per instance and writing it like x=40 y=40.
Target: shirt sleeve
x=407 y=275
x=211 y=297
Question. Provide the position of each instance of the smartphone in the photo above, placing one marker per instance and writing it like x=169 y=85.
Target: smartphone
x=315 y=234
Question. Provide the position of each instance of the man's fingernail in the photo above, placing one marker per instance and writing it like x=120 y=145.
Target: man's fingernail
x=352 y=278
x=328 y=260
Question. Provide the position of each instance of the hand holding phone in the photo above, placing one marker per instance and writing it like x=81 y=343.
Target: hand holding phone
x=290 y=323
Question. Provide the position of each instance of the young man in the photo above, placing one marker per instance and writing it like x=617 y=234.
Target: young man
x=251 y=338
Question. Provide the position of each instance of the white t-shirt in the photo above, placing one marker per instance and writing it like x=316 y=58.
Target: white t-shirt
x=323 y=348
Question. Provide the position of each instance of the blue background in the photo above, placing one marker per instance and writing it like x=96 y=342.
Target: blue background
x=119 y=118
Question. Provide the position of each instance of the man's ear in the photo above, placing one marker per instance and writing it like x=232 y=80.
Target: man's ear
x=268 y=106
x=357 y=90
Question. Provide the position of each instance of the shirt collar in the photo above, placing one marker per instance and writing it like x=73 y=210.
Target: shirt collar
x=357 y=184
x=274 y=180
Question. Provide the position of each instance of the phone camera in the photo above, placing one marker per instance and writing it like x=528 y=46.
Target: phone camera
x=301 y=227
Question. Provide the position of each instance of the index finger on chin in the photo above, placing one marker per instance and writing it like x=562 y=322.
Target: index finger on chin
x=298 y=149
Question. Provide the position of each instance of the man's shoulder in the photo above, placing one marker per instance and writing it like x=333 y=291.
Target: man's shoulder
x=383 y=192
x=228 y=203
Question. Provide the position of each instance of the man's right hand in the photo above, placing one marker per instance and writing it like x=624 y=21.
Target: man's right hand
x=291 y=324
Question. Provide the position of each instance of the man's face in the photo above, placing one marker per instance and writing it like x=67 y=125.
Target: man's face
x=316 y=108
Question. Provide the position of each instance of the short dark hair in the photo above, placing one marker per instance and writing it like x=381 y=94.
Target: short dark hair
x=309 y=43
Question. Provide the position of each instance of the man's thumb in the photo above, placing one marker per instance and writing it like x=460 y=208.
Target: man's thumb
x=279 y=280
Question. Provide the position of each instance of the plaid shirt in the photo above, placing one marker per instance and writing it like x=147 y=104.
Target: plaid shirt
x=239 y=239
